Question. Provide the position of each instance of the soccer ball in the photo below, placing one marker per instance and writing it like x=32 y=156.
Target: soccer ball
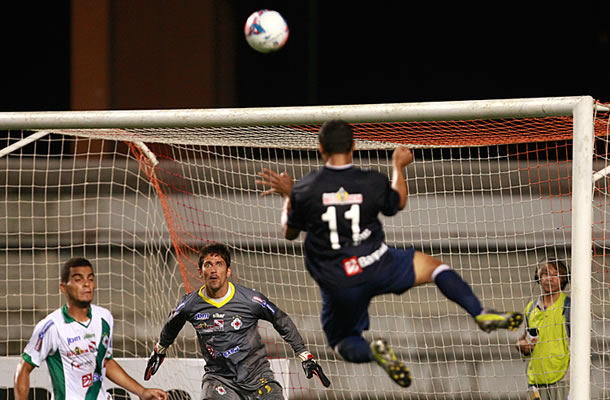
x=266 y=31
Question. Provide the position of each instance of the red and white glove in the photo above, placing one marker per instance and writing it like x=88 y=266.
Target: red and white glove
x=311 y=368
x=155 y=361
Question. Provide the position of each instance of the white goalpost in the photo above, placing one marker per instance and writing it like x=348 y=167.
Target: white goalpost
x=496 y=185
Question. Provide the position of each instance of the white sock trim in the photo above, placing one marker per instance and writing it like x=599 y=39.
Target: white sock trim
x=439 y=269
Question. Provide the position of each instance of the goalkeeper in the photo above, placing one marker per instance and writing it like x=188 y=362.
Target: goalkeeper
x=225 y=316
x=346 y=253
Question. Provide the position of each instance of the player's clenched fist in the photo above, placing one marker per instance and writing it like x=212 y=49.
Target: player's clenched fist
x=402 y=156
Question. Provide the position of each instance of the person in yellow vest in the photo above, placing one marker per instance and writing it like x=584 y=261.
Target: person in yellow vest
x=545 y=340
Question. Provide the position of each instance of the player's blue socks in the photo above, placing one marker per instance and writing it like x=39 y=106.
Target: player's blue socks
x=456 y=290
x=355 y=349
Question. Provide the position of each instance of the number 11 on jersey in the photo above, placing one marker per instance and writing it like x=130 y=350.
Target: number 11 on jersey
x=353 y=215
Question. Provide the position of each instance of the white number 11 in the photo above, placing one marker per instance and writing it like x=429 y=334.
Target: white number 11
x=353 y=214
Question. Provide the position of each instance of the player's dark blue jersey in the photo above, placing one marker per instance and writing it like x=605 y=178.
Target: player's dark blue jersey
x=339 y=209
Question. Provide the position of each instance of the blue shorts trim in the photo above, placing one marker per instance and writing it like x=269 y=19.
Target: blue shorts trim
x=345 y=311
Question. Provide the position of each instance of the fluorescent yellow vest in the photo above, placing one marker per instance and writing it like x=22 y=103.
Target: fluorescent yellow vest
x=550 y=359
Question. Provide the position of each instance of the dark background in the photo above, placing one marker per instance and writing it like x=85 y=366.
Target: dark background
x=350 y=53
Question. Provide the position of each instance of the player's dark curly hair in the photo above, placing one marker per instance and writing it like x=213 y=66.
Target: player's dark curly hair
x=215 y=248
x=72 y=263
x=562 y=269
x=336 y=136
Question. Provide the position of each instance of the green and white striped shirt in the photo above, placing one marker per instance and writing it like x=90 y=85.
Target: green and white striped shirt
x=75 y=352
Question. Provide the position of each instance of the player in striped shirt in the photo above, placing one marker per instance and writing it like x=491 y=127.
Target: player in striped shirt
x=76 y=343
x=345 y=250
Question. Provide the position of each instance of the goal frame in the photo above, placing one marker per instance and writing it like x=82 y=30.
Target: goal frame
x=581 y=108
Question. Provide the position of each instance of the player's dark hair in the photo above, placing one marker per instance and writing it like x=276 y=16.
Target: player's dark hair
x=215 y=248
x=336 y=137
x=73 y=263
x=562 y=268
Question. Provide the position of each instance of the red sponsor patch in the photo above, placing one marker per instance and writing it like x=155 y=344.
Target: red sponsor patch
x=211 y=350
x=352 y=266
x=87 y=380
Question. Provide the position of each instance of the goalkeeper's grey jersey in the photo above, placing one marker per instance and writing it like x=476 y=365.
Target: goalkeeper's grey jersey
x=228 y=335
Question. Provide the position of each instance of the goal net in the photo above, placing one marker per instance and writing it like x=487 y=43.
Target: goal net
x=492 y=191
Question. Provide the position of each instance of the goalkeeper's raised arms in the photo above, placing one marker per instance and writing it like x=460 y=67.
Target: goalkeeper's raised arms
x=311 y=368
x=155 y=361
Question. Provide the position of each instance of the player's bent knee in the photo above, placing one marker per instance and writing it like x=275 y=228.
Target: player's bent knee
x=354 y=349
x=424 y=266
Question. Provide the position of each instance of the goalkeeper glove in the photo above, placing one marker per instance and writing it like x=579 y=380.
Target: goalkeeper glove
x=155 y=361
x=311 y=368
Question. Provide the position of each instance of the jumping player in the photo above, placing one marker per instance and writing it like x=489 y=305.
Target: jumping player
x=345 y=250
x=225 y=316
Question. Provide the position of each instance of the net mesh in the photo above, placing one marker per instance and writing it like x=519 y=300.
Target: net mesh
x=488 y=197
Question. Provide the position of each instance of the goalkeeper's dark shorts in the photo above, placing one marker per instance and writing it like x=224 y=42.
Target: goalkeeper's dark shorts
x=345 y=311
x=221 y=389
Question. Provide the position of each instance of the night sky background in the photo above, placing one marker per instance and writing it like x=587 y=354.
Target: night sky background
x=345 y=53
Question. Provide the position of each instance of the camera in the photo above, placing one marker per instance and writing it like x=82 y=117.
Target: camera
x=531 y=335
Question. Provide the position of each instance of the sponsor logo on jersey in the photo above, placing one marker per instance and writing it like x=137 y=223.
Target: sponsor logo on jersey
x=263 y=303
x=200 y=316
x=341 y=197
x=372 y=258
x=176 y=310
x=205 y=327
x=43 y=332
x=87 y=380
x=73 y=340
x=211 y=350
x=354 y=265
x=351 y=266
x=82 y=364
x=227 y=353
x=236 y=323
x=362 y=236
x=106 y=340
x=217 y=315
x=77 y=351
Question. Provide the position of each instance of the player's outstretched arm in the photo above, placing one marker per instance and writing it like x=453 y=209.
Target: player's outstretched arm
x=117 y=374
x=311 y=368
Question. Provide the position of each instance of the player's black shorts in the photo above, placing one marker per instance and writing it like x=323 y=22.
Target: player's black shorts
x=214 y=389
x=345 y=311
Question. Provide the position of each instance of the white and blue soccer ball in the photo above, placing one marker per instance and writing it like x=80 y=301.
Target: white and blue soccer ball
x=266 y=31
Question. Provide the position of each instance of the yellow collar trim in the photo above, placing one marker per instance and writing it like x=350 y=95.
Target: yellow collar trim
x=215 y=303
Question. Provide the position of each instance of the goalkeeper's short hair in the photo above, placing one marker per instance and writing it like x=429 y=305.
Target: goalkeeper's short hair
x=215 y=248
